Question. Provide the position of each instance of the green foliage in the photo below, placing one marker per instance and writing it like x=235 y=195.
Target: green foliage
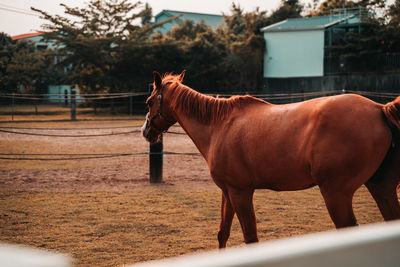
x=287 y=9
x=7 y=47
x=226 y=59
x=22 y=67
x=104 y=47
x=200 y=54
x=326 y=6
x=245 y=48
x=393 y=16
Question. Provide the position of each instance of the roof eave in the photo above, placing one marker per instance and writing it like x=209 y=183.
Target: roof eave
x=163 y=12
x=340 y=20
x=273 y=25
x=296 y=29
x=270 y=27
x=26 y=35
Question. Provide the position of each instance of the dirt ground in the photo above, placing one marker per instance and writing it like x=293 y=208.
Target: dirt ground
x=104 y=212
x=109 y=174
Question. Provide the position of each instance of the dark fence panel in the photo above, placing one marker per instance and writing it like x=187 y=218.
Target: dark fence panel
x=385 y=83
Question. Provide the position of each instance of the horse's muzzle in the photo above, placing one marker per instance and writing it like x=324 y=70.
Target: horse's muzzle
x=148 y=134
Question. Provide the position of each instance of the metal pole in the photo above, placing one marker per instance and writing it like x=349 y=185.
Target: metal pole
x=156 y=162
x=73 y=106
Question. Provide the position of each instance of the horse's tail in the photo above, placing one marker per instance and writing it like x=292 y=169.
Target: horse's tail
x=392 y=113
x=390 y=165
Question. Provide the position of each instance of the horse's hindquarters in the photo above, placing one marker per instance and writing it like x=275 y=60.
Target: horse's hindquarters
x=349 y=143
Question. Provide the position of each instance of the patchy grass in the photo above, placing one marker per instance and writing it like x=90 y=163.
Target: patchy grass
x=154 y=222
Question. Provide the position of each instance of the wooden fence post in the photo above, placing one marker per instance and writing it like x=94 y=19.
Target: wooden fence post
x=12 y=106
x=66 y=98
x=131 y=105
x=156 y=162
x=73 y=106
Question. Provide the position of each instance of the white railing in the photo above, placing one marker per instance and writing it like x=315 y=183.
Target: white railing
x=365 y=246
x=19 y=256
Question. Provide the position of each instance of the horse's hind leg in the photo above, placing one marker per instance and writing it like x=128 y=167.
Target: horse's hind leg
x=242 y=203
x=339 y=205
x=385 y=197
x=227 y=214
x=383 y=185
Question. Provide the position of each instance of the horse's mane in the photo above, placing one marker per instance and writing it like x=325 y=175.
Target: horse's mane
x=204 y=107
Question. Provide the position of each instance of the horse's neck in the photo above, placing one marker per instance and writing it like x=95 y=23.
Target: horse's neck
x=199 y=132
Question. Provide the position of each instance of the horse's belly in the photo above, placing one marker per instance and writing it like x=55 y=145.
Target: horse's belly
x=282 y=176
x=281 y=171
x=267 y=158
x=280 y=162
x=283 y=183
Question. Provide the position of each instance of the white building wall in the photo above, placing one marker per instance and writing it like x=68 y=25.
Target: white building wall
x=294 y=54
x=57 y=93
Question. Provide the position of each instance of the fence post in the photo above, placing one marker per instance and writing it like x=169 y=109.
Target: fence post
x=73 y=106
x=131 y=105
x=34 y=101
x=66 y=98
x=156 y=162
x=12 y=106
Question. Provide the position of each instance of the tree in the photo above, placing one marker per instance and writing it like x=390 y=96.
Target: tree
x=245 y=47
x=7 y=47
x=24 y=68
x=390 y=36
x=287 y=9
x=196 y=48
x=393 y=15
x=366 y=49
x=327 y=6
x=104 y=45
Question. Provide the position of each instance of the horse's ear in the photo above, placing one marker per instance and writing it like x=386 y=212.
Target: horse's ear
x=157 y=80
x=180 y=78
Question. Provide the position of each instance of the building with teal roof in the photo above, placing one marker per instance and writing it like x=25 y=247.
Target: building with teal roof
x=211 y=20
x=296 y=47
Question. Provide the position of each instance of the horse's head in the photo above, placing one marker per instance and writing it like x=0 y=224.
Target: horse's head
x=159 y=118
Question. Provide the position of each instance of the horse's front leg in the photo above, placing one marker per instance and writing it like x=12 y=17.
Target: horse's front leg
x=242 y=203
x=227 y=214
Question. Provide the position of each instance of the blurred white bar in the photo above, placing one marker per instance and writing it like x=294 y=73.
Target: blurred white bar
x=374 y=245
x=19 y=256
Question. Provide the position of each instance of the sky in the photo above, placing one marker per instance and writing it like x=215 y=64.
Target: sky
x=17 y=18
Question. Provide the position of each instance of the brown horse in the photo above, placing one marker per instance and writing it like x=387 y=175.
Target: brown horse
x=338 y=143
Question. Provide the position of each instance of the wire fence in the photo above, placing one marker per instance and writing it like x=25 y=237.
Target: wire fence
x=264 y=96
x=78 y=156
x=135 y=129
x=127 y=102
x=61 y=97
